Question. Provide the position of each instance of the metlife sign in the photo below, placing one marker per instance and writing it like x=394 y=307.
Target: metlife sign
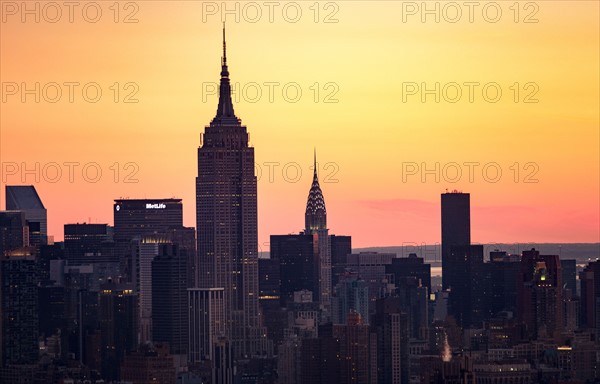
x=156 y=206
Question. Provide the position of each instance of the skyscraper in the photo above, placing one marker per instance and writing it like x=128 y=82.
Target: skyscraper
x=134 y=217
x=226 y=220
x=297 y=266
x=206 y=322
x=465 y=300
x=140 y=217
x=456 y=230
x=118 y=322
x=341 y=246
x=413 y=266
x=26 y=199
x=354 y=349
x=170 y=298
x=590 y=296
x=461 y=261
x=19 y=308
x=14 y=232
x=389 y=325
x=315 y=219
x=539 y=295
x=351 y=295
x=88 y=243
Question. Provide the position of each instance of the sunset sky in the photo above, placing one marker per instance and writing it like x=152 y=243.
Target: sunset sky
x=366 y=141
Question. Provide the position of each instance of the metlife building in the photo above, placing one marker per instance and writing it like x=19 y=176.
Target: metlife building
x=146 y=217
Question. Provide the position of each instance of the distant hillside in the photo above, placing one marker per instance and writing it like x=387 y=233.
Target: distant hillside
x=582 y=252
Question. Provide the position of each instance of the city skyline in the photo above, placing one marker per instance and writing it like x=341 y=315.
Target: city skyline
x=156 y=132
x=445 y=291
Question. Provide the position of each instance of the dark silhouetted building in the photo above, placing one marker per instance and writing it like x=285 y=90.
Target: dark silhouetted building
x=465 y=302
x=170 y=298
x=14 y=232
x=590 y=296
x=370 y=267
x=222 y=367
x=354 y=350
x=118 y=322
x=51 y=310
x=414 y=300
x=226 y=220
x=459 y=370
x=89 y=243
x=456 y=230
x=274 y=317
x=389 y=327
x=411 y=266
x=341 y=246
x=539 y=295
x=305 y=259
x=296 y=258
x=139 y=218
x=569 y=273
x=315 y=220
x=351 y=294
x=143 y=251
x=19 y=308
x=269 y=279
x=499 y=278
x=151 y=364
x=206 y=322
x=25 y=198
x=320 y=358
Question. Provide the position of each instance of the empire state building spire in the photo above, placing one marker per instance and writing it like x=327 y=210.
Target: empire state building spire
x=227 y=233
x=316 y=215
x=225 y=114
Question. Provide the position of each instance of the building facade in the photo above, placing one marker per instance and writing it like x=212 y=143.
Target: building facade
x=226 y=220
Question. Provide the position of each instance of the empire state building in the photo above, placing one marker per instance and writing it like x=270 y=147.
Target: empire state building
x=226 y=221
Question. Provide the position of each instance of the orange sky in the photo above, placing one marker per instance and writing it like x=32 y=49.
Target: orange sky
x=374 y=50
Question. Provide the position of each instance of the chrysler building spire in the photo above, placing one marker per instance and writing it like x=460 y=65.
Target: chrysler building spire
x=316 y=214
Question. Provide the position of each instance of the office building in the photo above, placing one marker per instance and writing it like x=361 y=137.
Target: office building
x=539 y=295
x=353 y=337
x=169 y=298
x=590 y=296
x=118 y=323
x=465 y=301
x=19 y=308
x=14 y=232
x=456 y=231
x=206 y=322
x=25 y=198
x=226 y=220
x=297 y=263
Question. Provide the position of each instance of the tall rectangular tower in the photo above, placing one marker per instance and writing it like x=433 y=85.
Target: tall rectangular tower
x=18 y=308
x=226 y=220
x=456 y=230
